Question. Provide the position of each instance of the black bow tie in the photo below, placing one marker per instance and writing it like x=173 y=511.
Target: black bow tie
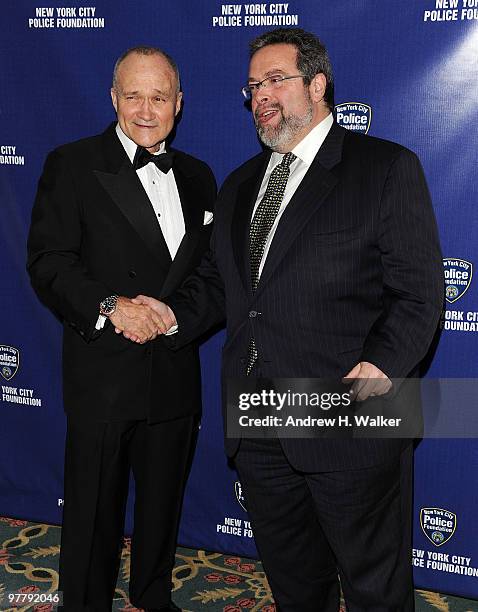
x=164 y=161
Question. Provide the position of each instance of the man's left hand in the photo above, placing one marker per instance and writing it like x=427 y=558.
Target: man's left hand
x=367 y=381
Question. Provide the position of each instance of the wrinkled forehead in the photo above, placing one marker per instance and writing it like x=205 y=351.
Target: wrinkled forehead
x=146 y=71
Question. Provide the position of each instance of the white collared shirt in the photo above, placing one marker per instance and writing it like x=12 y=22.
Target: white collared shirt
x=305 y=152
x=162 y=192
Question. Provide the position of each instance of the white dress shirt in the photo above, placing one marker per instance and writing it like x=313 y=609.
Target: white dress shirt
x=305 y=152
x=163 y=194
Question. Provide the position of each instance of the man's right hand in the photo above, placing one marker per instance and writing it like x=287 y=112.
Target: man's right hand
x=160 y=308
x=136 y=320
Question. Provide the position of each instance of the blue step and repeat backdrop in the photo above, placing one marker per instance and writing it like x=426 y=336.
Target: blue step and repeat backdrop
x=405 y=71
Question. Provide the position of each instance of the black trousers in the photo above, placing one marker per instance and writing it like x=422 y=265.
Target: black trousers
x=98 y=460
x=312 y=528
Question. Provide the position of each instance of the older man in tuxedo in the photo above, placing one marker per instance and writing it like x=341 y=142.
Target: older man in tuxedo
x=325 y=260
x=116 y=215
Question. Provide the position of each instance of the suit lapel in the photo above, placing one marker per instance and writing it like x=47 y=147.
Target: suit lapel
x=246 y=198
x=309 y=196
x=193 y=214
x=125 y=189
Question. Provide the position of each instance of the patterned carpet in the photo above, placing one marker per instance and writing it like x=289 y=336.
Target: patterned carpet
x=203 y=581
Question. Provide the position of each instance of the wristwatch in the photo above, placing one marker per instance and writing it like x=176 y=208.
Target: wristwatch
x=108 y=305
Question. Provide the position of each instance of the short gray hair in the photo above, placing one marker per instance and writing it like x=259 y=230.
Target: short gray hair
x=146 y=50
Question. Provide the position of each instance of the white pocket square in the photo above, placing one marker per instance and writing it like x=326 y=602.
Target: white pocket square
x=208 y=217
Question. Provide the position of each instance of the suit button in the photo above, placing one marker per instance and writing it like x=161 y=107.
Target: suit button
x=252 y=314
x=132 y=273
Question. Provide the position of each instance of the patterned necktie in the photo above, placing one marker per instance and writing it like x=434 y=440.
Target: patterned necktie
x=164 y=161
x=261 y=226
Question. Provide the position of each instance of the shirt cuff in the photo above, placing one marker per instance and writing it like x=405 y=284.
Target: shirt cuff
x=172 y=330
x=100 y=322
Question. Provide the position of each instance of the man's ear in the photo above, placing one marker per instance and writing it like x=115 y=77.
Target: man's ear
x=179 y=98
x=114 y=98
x=317 y=87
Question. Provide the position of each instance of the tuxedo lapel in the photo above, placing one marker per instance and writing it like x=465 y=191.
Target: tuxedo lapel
x=125 y=189
x=246 y=198
x=193 y=213
x=309 y=196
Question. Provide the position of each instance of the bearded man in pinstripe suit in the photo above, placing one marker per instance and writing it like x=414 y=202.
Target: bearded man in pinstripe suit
x=325 y=262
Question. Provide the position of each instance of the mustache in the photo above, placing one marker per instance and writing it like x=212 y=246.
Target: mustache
x=275 y=106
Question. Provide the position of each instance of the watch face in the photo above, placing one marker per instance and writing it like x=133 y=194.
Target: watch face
x=108 y=305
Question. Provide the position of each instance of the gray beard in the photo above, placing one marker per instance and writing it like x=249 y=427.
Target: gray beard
x=277 y=138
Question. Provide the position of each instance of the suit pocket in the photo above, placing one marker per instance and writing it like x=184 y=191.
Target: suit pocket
x=345 y=351
x=349 y=358
x=338 y=236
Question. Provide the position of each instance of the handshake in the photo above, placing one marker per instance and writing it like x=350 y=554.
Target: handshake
x=142 y=319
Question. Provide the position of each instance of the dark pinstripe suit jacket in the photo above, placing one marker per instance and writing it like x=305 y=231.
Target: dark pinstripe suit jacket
x=353 y=274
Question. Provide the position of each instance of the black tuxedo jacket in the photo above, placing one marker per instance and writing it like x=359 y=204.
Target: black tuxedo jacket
x=93 y=234
x=354 y=273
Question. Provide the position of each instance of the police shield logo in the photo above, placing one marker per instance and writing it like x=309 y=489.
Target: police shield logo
x=355 y=116
x=437 y=524
x=9 y=361
x=458 y=275
x=239 y=495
